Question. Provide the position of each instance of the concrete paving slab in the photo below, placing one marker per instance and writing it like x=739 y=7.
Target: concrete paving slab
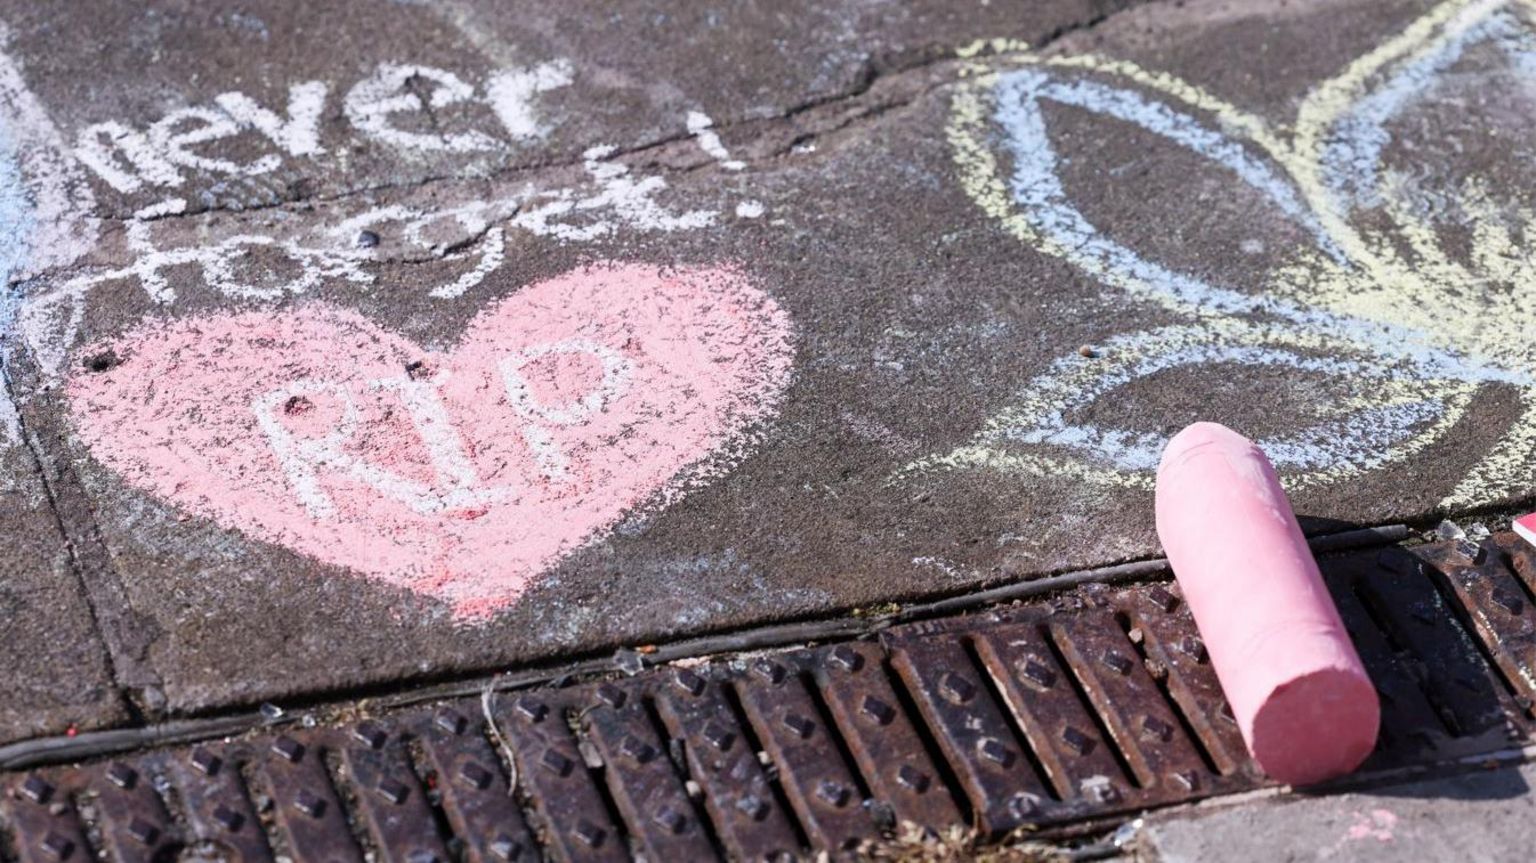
x=1480 y=816
x=507 y=85
x=479 y=335
x=418 y=170
x=54 y=667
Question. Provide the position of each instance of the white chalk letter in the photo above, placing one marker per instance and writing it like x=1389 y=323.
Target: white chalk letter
x=302 y=458
x=104 y=147
x=299 y=135
x=212 y=126
x=372 y=101
x=511 y=91
x=616 y=373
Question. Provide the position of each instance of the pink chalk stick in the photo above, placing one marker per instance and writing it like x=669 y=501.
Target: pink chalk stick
x=1304 y=703
x=1525 y=526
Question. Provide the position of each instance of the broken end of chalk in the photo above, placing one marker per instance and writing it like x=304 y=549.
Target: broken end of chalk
x=1316 y=727
x=1525 y=526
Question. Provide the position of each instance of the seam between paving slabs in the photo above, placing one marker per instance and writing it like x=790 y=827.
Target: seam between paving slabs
x=1061 y=715
x=124 y=635
x=76 y=564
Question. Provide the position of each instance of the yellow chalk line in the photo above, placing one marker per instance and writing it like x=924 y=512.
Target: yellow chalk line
x=1387 y=289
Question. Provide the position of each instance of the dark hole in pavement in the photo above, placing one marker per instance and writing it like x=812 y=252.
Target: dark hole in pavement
x=104 y=361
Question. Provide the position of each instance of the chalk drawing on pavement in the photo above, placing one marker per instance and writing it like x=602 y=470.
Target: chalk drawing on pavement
x=45 y=211
x=169 y=151
x=1377 y=301
x=295 y=256
x=461 y=473
x=311 y=254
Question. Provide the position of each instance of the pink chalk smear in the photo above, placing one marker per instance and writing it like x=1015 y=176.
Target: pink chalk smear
x=1377 y=824
x=460 y=474
x=1302 y=699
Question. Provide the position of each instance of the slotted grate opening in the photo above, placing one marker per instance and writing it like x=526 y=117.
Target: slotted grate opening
x=781 y=799
x=672 y=752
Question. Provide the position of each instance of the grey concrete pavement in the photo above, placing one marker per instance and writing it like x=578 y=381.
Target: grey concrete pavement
x=394 y=341
x=1481 y=816
x=56 y=670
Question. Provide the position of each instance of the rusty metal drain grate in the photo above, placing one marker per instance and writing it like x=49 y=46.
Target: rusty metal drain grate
x=1067 y=711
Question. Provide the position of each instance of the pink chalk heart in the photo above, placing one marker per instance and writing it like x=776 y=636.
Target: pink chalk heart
x=461 y=474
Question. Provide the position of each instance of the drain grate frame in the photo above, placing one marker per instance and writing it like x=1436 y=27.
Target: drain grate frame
x=1055 y=714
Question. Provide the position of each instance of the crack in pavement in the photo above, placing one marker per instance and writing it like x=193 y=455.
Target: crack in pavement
x=871 y=75
x=877 y=92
